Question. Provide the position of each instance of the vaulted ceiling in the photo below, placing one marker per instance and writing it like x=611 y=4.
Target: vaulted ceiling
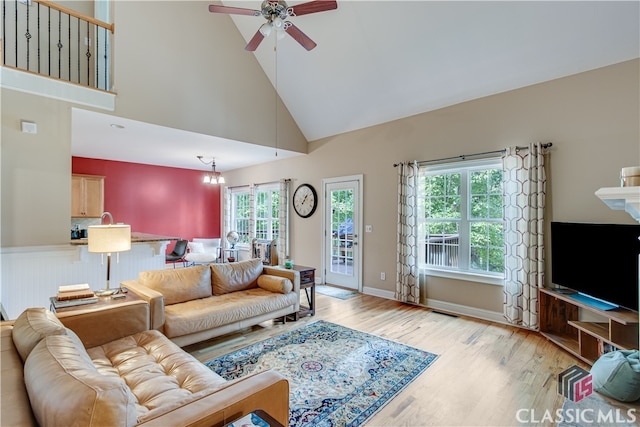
x=378 y=61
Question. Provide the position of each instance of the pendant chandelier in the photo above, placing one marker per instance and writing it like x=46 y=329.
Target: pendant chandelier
x=212 y=177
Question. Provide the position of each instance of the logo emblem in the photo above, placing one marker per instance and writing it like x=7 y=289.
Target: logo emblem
x=575 y=383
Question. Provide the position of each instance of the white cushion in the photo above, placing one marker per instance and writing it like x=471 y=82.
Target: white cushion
x=195 y=247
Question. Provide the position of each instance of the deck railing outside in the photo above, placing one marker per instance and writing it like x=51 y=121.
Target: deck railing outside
x=45 y=38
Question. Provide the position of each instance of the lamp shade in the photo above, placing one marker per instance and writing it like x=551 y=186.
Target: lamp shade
x=109 y=238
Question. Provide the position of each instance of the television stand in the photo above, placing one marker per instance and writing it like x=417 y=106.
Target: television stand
x=584 y=330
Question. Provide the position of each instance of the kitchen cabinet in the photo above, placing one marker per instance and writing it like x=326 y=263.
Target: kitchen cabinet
x=87 y=196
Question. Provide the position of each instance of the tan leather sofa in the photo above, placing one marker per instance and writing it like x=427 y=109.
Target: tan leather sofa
x=197 y=303
x=106 y=368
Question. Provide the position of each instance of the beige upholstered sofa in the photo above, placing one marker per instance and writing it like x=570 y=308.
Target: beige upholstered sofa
x=104 y=367
x=197 y=303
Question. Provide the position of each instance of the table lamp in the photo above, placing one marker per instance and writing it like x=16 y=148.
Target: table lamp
x=106 y=239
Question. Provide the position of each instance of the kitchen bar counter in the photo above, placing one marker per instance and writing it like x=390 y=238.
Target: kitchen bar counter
x=135 y=238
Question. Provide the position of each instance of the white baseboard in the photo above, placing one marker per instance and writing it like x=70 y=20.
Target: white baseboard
x=379 y=293
x=464 y=310
x=444 y=306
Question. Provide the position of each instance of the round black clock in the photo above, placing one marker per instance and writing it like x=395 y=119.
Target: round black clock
x=305 y=200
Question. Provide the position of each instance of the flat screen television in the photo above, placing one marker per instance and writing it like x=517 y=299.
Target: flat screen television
x=597 y=260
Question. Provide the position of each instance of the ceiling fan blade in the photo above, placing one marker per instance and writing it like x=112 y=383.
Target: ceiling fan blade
x=233 y=10
x=299 y=36
x=313 y=7
x=254 y=42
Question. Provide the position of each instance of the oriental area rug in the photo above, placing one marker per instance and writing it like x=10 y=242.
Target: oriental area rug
x=337 y=376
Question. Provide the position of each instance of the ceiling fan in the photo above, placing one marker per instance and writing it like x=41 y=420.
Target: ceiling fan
x=275 y=12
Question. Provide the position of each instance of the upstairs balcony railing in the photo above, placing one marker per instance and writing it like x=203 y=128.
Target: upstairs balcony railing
x=48 y=39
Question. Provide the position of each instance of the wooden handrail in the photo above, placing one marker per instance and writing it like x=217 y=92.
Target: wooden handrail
x=75 y=14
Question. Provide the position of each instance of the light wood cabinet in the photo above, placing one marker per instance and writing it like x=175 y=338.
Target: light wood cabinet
x=585 y=331
x=87 y=196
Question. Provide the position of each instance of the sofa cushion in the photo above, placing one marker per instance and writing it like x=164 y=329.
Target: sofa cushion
x=235 y=307
x=235 y=276
x=65 y=388
x=275 y=283
x=196 y=247
x=180 y=284
x=32 y=326
x=159 y=373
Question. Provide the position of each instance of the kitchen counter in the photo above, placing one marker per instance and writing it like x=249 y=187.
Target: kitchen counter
x=135 y=238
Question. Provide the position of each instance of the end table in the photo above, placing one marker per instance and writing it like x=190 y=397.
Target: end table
x=308 y=283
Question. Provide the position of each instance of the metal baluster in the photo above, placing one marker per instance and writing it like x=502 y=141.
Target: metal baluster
x=49 y=40
x=38 y=37
x=78 y=61
x=69 y=47
x=59 y=45
x=16 y=29
x=4 y=36
x=88 y=54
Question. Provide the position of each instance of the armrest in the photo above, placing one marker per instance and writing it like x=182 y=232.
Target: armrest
x=155 y=300
x=266 y=390
x=292 y=275
x=100 y=326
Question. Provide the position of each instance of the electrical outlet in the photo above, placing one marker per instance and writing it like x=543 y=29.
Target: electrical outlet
x=368 y=228
x=383 y=276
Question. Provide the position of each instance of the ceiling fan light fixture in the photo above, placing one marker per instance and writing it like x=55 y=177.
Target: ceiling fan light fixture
x=265 y=29
x=277 y=23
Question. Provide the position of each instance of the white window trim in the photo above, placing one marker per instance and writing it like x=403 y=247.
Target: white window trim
x=469 y=276
x=253 y=209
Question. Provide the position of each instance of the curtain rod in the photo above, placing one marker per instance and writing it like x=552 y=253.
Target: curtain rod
x=465 y=156
x=259 y=184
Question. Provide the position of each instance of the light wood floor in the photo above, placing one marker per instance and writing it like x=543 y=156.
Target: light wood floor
x=484 y=374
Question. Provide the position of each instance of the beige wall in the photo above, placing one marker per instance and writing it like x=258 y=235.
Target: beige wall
x=198 y=79
x=36 y=171
x=591 y=118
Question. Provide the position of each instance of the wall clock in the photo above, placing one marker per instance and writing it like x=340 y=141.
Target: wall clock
x=305 y=200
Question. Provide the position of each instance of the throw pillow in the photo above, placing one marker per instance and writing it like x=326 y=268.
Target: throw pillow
x=617 y=374
x=195 y=247
x=275 y=283
x=235 y=276
x=32 y=326
x=179 y=285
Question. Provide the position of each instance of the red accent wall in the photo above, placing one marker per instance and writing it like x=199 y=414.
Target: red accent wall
x=156 y=199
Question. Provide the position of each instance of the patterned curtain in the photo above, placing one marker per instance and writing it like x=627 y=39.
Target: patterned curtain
x=524 y=201
x=283 y=219
x=407 y=284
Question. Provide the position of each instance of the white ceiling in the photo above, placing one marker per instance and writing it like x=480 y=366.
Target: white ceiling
x=378 y=61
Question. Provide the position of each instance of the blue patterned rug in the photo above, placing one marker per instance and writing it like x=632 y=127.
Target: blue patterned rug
x=337 y=376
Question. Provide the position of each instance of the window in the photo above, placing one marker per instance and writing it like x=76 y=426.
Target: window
x=257 y=216
x=240 y=215
x=267 y=206
x=462 y=217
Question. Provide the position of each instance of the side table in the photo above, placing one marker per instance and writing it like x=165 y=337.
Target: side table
x=107 y=301
x=308 y=283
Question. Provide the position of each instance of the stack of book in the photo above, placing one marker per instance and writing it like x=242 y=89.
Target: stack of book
x=71 y=292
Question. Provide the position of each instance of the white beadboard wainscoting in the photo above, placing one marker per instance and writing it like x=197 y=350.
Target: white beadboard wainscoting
x=30 y=275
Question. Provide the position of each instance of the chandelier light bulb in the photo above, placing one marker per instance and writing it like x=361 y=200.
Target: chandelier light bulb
x=265 y=29
x=278 y=23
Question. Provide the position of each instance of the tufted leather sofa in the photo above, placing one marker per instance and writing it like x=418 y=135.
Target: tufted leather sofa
x=106 y=368
x=194 y=304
